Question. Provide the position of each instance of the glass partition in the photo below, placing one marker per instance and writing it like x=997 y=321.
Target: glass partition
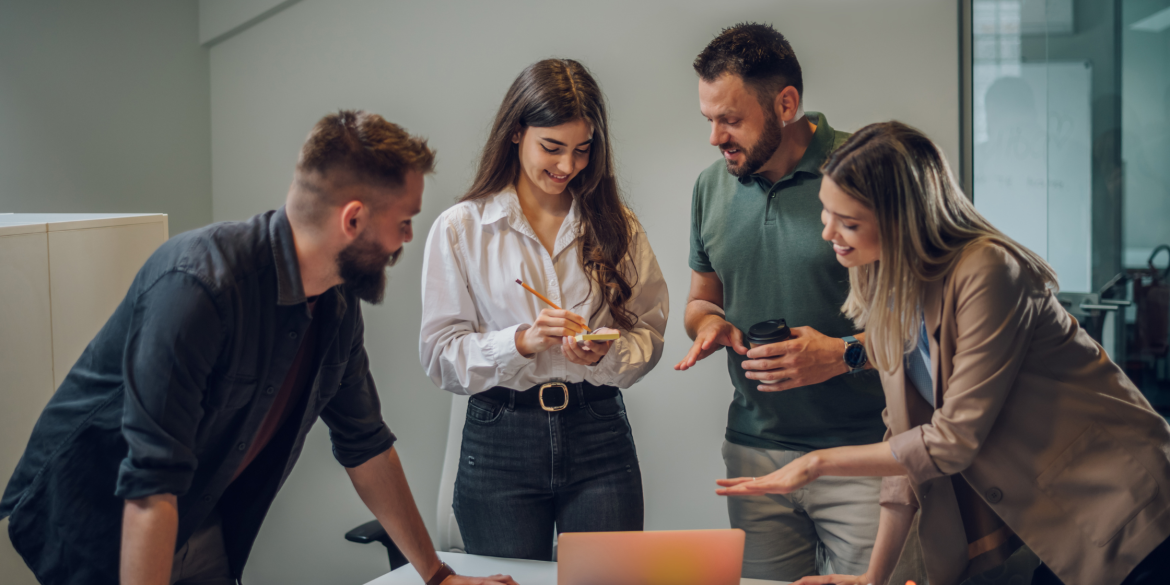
x=1070 y=155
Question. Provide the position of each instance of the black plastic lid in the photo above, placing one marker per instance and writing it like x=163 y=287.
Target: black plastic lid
x=766 y=332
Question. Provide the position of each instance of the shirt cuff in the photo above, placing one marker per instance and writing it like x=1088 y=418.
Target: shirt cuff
x=352 y=453
x=896 y=491
x=501 y=349
x=909 y=448
x=135 y=482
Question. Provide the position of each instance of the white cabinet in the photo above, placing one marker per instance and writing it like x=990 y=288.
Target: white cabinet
x=61 y=277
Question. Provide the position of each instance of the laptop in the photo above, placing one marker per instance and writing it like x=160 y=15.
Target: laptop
x=675 y=557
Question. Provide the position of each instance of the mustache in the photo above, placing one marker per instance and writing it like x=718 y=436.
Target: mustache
x=730 y=146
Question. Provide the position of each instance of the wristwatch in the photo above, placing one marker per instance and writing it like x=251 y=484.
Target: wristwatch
x=441 y=575
x=855 y=357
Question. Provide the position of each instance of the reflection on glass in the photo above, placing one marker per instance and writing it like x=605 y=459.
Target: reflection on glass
x=1071 y=152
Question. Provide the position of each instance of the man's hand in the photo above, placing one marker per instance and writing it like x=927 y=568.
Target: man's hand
x=493 y=580
x=808 y=357
x=382 y=486
x=714 y=332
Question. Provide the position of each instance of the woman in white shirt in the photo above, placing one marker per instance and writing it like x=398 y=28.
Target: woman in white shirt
x=547 y=445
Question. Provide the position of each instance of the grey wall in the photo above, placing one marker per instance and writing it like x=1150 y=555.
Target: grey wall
x=105 y=107
x=440 y=69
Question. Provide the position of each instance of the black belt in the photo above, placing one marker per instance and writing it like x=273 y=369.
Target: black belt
x=551 y=396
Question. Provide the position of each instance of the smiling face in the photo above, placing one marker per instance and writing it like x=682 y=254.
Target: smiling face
x=850 y=226
x=551 y=157
x=746 y=133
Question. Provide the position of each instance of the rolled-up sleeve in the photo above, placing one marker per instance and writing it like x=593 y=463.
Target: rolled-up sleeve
x=354 y=415
x=638 y=350
x=994 y=313
x=174 y=336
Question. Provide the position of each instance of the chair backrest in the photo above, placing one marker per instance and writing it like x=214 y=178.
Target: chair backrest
x=449 y=538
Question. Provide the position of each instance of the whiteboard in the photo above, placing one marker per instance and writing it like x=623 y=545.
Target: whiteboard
x=1033 y=168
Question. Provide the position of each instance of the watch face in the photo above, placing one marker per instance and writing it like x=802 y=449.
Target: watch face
x=855 y=355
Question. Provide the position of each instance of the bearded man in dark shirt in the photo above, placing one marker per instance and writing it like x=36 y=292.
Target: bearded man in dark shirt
x=157 y=459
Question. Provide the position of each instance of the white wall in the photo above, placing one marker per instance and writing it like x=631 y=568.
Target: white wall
x=440 y=69
x=104 y=108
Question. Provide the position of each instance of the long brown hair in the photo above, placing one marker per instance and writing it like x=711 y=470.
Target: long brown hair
x=924 y=224
x=550 y=93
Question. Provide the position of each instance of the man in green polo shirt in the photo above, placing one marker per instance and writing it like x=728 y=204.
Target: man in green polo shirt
x=757 y=254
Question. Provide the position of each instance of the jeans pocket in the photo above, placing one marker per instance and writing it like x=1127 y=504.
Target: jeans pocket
x=607 y=409
x=483 y=412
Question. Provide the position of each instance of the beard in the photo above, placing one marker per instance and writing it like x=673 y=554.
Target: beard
x=362 y=265
x=757 y=154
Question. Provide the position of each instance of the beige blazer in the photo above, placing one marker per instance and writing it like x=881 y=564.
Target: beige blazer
x=1037 y=435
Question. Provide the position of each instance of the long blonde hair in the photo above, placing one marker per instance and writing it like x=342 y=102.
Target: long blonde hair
x=924 y=224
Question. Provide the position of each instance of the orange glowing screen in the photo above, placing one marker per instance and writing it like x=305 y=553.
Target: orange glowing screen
x=677 y=557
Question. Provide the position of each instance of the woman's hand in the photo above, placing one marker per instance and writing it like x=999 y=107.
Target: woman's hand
x=547 y=331
x=586 y=353
x=835 y=580
x=785 y=480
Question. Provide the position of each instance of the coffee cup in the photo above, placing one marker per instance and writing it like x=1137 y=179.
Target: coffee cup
x=766 y=332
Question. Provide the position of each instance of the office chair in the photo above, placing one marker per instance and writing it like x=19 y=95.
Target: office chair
x=448 y=530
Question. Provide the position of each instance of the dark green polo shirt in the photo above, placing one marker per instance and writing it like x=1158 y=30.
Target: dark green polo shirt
x=764 y=242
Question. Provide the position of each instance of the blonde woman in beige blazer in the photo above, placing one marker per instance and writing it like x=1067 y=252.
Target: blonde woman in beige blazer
x=1007 y=424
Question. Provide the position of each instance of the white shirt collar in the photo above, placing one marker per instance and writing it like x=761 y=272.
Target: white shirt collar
x=506 y=205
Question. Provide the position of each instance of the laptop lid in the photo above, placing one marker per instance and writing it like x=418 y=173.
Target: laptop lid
x=675 y=557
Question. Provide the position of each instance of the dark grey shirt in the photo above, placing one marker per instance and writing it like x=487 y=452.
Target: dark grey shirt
x=169 y=395
x=763 y=241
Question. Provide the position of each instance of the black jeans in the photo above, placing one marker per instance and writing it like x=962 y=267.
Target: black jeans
x=1153 y=570
x=524 y=471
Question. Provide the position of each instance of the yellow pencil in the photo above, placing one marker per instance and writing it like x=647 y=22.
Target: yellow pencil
x=543 y=298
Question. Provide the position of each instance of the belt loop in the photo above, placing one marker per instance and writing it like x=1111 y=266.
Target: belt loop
x=581 y=394
x=511 y=400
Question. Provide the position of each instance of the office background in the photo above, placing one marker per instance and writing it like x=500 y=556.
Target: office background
x=197 y=109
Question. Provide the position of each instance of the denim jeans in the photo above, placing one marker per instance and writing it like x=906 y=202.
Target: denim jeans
x=524 y=472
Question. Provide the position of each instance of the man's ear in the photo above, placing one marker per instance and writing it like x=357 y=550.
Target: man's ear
x=354 y=216
x=787 y=104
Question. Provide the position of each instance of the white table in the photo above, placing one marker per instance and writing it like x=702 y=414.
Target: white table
x=524 y=572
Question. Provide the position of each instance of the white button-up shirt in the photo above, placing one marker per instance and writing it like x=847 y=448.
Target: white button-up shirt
x=472 y=306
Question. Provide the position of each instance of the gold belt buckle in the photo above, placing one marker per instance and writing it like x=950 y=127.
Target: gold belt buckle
x=563 y=388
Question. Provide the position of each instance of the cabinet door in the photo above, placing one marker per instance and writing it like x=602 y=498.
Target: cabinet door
x=26 y=363
x=91 y=270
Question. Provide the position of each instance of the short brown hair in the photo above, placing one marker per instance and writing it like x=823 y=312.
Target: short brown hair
x=758 y=54
x=367 y=146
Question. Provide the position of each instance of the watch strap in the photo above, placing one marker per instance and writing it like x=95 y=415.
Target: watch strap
x=441 y=575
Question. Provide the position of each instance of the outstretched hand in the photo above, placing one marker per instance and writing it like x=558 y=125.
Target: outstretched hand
x=785 y=480
x=714 y=334
x=835 y=580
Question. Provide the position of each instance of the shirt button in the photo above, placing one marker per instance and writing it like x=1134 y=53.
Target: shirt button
x=292 y=334
x=994 y=495
x=270 y=390
x=206 y=497
x=241 y=447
